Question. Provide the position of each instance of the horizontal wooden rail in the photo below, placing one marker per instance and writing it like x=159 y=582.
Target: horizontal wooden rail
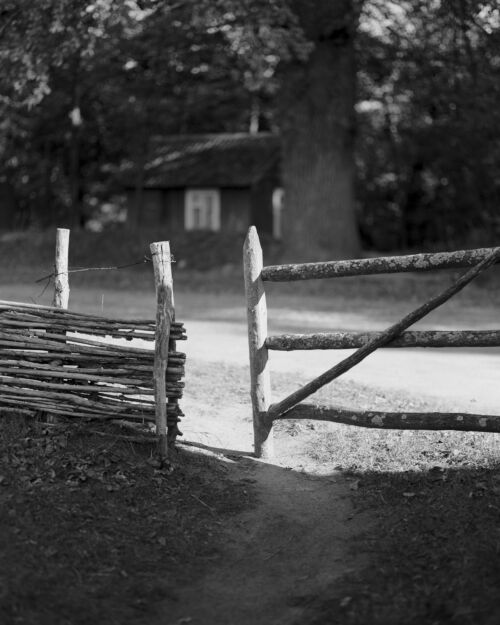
x=370 y=266
x=381 y=339
x=397 y=420
x=353 y=340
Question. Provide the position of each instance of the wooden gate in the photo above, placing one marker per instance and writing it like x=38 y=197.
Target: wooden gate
x=291 y=407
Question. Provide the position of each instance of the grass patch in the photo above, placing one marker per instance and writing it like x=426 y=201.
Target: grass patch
x=92 y=530
x=434 y=543
x=433 y=551
x=432 y=504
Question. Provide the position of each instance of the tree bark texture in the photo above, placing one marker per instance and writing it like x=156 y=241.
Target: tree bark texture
x=317 y=128
x=372 y=266
x=398 y=420
x=353 y=340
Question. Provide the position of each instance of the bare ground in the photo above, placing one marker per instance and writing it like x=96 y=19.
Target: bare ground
x=290 y=546
x=295 y=543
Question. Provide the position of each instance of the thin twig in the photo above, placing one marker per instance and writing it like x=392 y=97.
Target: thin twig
x=212 y=510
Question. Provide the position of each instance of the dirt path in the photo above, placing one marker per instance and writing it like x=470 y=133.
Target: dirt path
x=289 y=549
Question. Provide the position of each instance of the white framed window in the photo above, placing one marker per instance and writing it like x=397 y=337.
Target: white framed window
x=202 y=209
x=278 y=204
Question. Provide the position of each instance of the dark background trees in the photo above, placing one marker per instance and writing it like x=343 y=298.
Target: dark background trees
x=428 y=149
x=388 y=112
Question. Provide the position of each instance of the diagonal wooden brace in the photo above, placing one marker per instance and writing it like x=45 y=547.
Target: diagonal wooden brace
x=277 y=410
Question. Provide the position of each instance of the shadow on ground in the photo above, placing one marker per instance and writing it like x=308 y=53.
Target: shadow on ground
x=92 y=530
x=293 y=541
x=433 y=552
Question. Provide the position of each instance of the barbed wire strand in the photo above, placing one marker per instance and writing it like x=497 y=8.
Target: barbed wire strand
x=48 y=278
x=146 y=259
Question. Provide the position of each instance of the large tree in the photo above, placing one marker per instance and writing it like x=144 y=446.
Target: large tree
x=318 y=129
x=93 y=72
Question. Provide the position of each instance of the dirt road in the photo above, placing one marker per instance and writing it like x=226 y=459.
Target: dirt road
x=459 y=379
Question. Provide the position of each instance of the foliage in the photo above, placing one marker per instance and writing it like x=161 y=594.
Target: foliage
x=77 y=77
x=429 y=118
x=94 y=72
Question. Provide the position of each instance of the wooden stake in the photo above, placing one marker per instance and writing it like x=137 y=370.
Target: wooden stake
x=160 y=253
x=61 y=282
x=260 y=386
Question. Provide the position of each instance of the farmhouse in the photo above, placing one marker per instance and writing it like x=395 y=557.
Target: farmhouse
x=220 y=182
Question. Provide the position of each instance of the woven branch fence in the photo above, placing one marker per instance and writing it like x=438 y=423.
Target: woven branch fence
x=291 y=407
x=85 y=367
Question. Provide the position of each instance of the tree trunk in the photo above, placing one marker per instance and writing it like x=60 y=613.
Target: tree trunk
x=317 y=103
x=140 y=163
x=74 y=177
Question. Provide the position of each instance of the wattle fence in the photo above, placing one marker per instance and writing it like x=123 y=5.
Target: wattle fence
x=84 y=367
x=265 y=412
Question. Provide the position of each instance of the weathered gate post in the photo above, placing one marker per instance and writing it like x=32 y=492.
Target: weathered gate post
x=160 y=253
x=260 y=385
x=61 y=281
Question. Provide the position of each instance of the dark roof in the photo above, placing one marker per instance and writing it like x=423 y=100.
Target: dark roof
x=216 y=160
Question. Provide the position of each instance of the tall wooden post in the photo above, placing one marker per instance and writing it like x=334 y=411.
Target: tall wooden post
x=260 y=385
x=61 y=281
x=160 y=253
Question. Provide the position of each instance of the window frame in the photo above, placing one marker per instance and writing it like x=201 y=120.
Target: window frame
x=209 y=212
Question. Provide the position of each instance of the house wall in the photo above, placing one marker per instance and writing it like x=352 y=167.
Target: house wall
x=236 y=209
x=240 y=208
x=173 y=210
x=150 y=213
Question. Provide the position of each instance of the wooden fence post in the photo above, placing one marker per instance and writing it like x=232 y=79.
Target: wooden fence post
x=160 y=253
x=260 y=385
x=61 y=280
